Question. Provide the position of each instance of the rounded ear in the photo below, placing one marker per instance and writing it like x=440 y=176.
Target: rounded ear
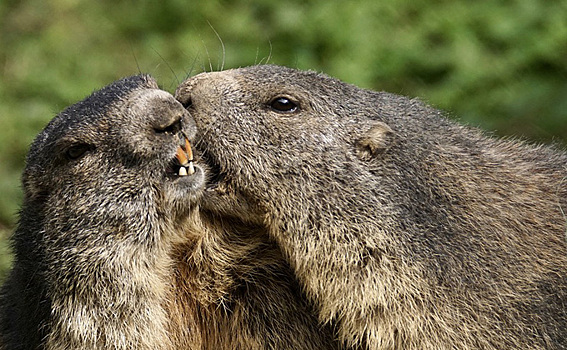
x=375 y=141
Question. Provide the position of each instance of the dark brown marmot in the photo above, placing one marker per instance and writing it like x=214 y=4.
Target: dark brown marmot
x=407 y=230
x=103 y=206
x=109 y=251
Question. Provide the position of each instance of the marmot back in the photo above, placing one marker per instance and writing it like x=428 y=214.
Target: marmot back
x=407 y=230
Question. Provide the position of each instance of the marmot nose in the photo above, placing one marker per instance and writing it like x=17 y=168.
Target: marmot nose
x=185 y=100
x=167 y=117
x=168 y=124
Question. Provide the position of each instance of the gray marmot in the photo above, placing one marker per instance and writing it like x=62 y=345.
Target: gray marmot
x=111 y=255
x=405 y=229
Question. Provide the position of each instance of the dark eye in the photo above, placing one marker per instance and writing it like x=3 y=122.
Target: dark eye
x=77 y=151
x=284 y=105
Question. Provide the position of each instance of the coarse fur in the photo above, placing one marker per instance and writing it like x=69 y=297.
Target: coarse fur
x=239 y=293
x=109 y=251
x=405 y=229
x=99 y=218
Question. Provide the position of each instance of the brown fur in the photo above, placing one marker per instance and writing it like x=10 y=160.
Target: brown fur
x=407 y=230
x=110 y=253
x=242 y=293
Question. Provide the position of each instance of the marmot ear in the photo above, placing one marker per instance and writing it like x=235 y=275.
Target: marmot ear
x=375 y=141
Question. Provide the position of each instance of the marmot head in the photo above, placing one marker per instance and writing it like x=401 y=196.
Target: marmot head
x=120 y=157
x=272 y=132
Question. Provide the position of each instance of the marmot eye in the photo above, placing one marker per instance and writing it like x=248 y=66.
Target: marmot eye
x=77 y=151
x=283 y=104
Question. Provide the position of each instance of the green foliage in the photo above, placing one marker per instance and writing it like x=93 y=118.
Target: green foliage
x=498 y=64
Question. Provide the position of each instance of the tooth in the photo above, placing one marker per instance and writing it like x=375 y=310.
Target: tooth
x=181 y=156
x=183 y=171
x=188 y=149
x=191 y=169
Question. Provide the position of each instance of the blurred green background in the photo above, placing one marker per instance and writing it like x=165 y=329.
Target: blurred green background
x=497 y=64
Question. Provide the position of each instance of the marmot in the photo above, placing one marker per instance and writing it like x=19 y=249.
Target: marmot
x=405 y=229
x=109 y=253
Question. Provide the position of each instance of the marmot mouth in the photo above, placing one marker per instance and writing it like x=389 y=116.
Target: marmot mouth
x=182 y=164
